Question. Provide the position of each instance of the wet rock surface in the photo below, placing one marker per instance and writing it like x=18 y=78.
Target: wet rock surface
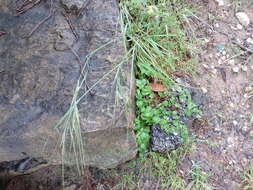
x=39 y=73
x=73 y=5
x=162 y=141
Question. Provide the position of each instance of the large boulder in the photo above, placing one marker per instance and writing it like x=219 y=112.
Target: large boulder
x=39 y=74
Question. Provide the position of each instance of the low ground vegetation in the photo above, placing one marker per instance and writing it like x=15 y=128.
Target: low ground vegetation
x=161 y=51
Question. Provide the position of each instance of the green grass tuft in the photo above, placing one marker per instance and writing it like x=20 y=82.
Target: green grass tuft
x=247 y=180
x=160 y=47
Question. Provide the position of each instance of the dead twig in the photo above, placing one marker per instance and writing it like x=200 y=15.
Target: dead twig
x=2 y=33
x=70 y=24
x=83 y=6
x=231 y=40
x=242 y=47
x=27 y=4
x=41 y=22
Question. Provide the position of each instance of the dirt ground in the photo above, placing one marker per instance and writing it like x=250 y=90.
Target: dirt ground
x=228 y=127
x=225 y=137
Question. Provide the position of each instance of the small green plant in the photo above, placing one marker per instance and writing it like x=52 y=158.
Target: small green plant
x=199 y=179
x=247 y=180
x=153 y=29
x=158 y=170
x=159 y=47
x=167 y=110
x=155 y=36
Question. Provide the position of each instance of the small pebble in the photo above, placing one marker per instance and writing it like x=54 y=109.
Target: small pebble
x=205 y=66
x=245 y=95
x=238 y=40
x=239 y=26
x=243 y=18
x=235 y=122
x=249 y=41
x=244 y=68
x=220 y=2
x=236 y=69
x=207 y=40
x=217 y=25
x=204 y=90
x=214 y=71
x=231 y=61
x=251 y=67
x=232 y=27
x=224 y=53
x=248 y=155
x=223 y=58
x=217 y=129
x=248 y=88
x=245 y=129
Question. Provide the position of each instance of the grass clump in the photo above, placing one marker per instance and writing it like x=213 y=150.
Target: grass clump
x=198 y=178
x=166 y=108
x=160 y=46
x=72 y=140
x=247 y=180
x=160 y=49
x=156 y=171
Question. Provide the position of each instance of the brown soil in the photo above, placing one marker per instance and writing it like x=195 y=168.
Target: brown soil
x=229 y=113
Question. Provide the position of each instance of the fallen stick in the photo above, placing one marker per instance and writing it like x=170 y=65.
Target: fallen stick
x=41 y=22
x=242 y=47
x=70 y=24
x=25 y=3
x=236 y=43
x=2 y=33
x=83 y=6
x=26 y=6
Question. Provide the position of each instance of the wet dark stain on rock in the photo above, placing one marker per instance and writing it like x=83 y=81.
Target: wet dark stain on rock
x=18 y=121
x=37 y=82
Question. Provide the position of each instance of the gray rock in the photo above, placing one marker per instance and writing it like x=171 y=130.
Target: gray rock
x=161 y=141
x=198 y=97
x=243 y=18
x=38 y=77
x=73 y=5
x=220 y=2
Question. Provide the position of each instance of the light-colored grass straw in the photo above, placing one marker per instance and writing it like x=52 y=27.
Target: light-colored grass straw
x=72 y=140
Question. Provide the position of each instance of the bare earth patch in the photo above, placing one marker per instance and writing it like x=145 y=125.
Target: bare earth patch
x=225 y=145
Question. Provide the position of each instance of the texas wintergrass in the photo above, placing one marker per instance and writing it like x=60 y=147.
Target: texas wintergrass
x=156 y=171
x=162 y=171
x=157 y=47
x=154 y=29
x=72 y=141
x=247 y=180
